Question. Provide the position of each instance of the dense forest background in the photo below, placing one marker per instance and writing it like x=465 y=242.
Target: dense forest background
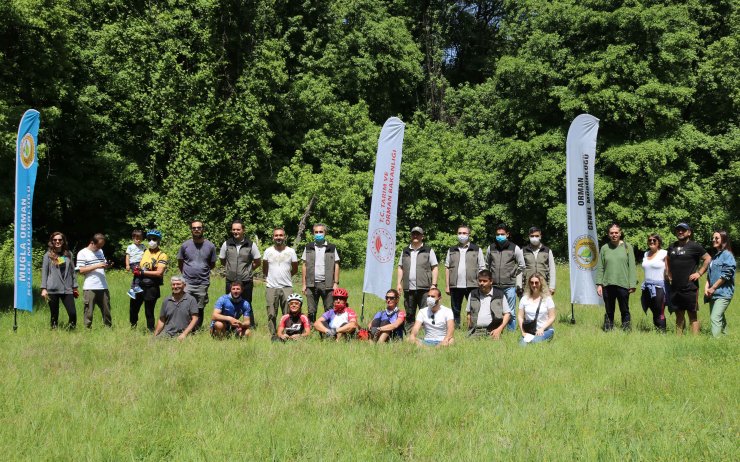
x=157 y=112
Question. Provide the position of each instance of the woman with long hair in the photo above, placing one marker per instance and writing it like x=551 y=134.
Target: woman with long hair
x=536 y=309
x=654 y=287
x=720 y=285
x=58 y=281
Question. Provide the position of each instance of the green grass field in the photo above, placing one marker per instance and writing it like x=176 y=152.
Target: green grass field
x=117 y=394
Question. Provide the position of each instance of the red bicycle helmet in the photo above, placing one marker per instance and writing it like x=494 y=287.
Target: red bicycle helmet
x=340 y=293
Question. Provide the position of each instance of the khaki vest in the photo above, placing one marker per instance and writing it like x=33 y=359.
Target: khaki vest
x=539 y=264
x=503 y=265
x=329 y=261
x=471 y=266
x=238 y=263
x=497 y=308
x=423 y=268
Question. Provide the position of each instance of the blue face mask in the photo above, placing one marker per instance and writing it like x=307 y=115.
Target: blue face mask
x=319 y=237
x=500 y=239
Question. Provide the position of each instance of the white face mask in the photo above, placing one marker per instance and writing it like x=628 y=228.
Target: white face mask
x=153 y=244
x=463 y=238
x=431 y=301
x=535 y=241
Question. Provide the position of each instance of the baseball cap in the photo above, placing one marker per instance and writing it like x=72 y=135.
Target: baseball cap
x=417 y=229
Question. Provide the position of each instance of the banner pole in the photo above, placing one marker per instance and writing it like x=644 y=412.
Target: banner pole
x=362 y=310
x=572 y=314
x=15 y=319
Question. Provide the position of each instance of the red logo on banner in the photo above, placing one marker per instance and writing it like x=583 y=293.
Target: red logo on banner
x=383 y=245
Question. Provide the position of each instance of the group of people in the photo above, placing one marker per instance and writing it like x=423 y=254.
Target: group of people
x=488 y=282
x=671 y=279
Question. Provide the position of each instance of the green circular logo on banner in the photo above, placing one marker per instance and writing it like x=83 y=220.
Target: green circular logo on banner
x=27 y=151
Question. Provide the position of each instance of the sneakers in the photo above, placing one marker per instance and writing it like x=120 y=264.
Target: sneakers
x=131 y=293
x=138 y=290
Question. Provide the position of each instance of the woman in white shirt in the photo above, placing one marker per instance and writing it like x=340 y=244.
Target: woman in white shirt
x=654 y=287
x=536 y=311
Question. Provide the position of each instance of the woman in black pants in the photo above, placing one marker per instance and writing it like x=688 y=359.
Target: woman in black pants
x=58 y=281
x=654 y=288
x=151 y=271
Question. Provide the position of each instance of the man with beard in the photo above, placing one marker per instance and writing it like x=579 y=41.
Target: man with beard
x=240 y=257
x=682 y=261
x=279 y=265
x=228 y=313
x=196 y=258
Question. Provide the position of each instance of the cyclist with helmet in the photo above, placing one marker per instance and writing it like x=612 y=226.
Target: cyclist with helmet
x=231 y=314
x=339 y=322
x=151 y=271
x=294 y=325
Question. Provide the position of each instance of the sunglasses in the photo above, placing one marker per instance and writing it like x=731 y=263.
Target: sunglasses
x=717 y=239
x=534 y=283
x=391 y=298
x=433 y=317
x=57 y=240
x=652 y=241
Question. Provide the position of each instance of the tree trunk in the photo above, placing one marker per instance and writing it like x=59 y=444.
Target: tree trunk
x=302 y=224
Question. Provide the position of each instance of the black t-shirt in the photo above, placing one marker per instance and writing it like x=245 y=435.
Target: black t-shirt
x=683 y=260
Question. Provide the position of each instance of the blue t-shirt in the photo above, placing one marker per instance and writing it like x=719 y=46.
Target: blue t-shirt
x=234 y=309
x=383 y=318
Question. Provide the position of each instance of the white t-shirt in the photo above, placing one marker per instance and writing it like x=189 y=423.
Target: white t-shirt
x=655 y=267
x=530 y=308
x=95 y=279
x=279 y=266
x=254 y=251
x=319 y=269
x=438 y=329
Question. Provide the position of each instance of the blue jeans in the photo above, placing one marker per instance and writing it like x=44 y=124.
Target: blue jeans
x=510 y=294
x=547 y=335
x=431 y=342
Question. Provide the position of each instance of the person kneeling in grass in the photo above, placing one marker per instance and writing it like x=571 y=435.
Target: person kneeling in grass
x=536 y=312
x=227 y=311
x=294 y=325
x=179 y=313
x=488 y=309
x=340 y=322
x=438 y=322
x=387 y=324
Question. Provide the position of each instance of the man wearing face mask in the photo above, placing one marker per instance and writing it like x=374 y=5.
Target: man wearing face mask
x=279 y=264
x=538 y=258
x=240 y=257
x=195 y=259
x=505 y=261
x=151 y=271
x=417 y=273
x=437 y=320
x=320 y=270
x=462 y=264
